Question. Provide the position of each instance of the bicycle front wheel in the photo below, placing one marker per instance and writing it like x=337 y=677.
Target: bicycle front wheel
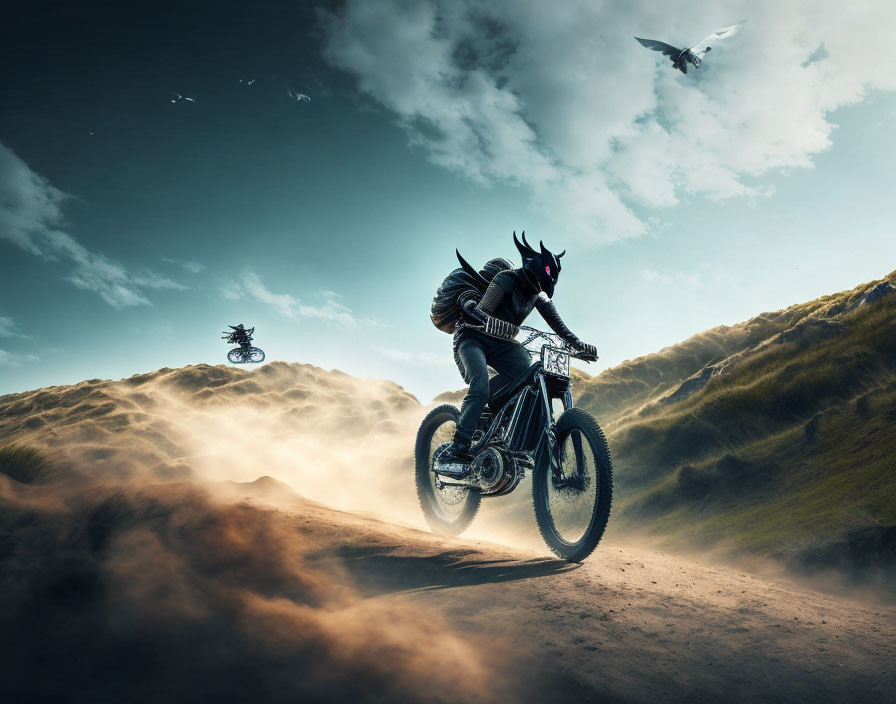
x=573 y=492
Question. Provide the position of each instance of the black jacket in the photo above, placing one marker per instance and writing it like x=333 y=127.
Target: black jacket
x=510 y=297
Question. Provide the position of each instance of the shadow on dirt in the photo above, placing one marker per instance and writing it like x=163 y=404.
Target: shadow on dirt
x=378 y=571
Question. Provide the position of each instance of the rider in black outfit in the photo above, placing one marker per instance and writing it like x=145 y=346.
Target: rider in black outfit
x=240 y=335
x=485 y=337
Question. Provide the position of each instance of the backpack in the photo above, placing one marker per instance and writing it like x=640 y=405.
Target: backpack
x=446 y=310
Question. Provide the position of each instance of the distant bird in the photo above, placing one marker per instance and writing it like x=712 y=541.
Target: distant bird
x=695 y=54
x=299 y=97
x=248 y=83
x=177 y=97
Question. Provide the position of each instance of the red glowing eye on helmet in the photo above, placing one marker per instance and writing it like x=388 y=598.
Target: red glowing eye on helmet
x=540 y=267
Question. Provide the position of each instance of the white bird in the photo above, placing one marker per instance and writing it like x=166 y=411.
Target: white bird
x=177 y=97
x=248 y=83
x=299 y=97
x=693 y=55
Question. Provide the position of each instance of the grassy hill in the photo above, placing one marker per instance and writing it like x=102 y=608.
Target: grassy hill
x=332 y=437
x=776 y=436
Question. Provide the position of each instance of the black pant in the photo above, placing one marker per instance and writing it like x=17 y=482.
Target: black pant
x=475 y=353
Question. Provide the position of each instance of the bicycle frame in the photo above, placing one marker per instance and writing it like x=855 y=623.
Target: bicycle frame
x=529 y=427
x=520 y=434
x=532 y=413
x=528 y=435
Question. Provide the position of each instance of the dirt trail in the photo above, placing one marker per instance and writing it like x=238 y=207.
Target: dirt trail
x=627 y=624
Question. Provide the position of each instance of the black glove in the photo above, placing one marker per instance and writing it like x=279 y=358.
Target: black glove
x=587 y=352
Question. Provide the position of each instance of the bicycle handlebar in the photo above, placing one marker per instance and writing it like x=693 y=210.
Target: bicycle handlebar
x=554 y=340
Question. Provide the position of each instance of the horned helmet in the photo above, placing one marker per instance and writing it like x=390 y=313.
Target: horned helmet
x=540 y=268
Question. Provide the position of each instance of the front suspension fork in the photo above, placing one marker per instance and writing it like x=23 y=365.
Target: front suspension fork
x=555 y=453
x=576 y=445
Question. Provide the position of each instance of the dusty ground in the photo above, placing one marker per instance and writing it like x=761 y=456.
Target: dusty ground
x=631 y=625
x=270 y=599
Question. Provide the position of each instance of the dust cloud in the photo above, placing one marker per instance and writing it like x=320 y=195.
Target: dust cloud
x=139 y=572
x=335 y=439
x=344 y=442
x=141 y=565
x=163 y=594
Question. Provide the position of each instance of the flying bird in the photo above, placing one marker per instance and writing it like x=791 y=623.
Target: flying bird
x=693 y=55
x=248 y=83
x=177 y=97
x=299 y=97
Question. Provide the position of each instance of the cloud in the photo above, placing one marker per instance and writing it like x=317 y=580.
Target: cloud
x=562 y=101
x=31 y=218
x=425 y=359
x=8 y=359
x=9 y=328
x=329 y=308
x=326 y=307
x=193 y=266
x=283 y=303
x=674 y=279
x=230 y=293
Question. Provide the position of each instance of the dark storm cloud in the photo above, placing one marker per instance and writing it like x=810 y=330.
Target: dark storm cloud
x=160 y=594
x=31 y=217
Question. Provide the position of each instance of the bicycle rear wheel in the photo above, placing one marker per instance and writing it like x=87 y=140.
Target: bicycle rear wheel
x=448 y=510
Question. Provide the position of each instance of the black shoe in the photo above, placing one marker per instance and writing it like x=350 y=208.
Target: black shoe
x=455 y=459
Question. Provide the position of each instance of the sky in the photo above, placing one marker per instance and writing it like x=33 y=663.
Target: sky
x=133 y=229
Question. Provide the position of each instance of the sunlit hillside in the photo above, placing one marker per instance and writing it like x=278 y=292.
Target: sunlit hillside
x=775 y=436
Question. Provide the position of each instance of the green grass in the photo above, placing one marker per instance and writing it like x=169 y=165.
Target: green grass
x=791 y=451
x=27 y=465
x=625 y=388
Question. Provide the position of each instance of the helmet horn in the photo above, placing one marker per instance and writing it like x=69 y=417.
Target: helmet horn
x=525 y=250
x=525 y=242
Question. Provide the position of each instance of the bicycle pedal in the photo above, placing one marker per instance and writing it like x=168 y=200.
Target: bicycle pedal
x=453 y=469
